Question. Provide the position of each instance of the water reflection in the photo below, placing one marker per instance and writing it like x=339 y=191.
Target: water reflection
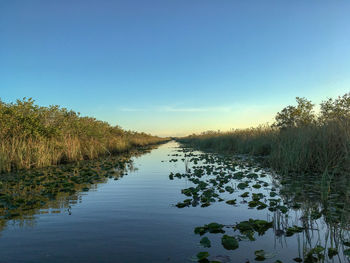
x=322 y=206
x=57 y=189
x=311 y=211
x=136 y=219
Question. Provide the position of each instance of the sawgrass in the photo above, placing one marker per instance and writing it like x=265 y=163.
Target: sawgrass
x=315 y=143
x=35 y=136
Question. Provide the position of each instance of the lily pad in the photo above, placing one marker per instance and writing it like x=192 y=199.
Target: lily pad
x=261 y=255
x=273 y=194
x=229 y=242
x=231 y=202
x=202 y=255
x=242 y=186
x=245 y=194
x=292 y=230
x=205 y=242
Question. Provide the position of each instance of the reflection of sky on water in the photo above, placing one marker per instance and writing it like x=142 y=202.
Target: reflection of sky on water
x=133 y=219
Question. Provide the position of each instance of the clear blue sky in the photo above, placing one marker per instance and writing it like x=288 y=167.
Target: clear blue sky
x=174 y=67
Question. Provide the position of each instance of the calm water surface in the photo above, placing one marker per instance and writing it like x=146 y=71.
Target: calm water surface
x=134 y=219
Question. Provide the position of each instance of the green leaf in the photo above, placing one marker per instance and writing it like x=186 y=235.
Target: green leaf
x=205 y=242
x=200 y=230
x=257 y=186
x=202 y=255
x=215 y=228
x=231 y=202
x=273 y=194
x=259 y=255
x=229 y=242
x=283 y=209
x=245 y=194
x=242 y=186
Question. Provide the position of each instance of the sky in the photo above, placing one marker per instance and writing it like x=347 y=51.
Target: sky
x=174 y=67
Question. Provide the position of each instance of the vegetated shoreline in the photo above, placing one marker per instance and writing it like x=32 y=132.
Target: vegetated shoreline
x=300 y=141
x=33 y=136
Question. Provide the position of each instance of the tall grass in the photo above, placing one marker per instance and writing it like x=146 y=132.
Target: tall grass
x=321 y=145
x=35 y=136
x=315 y=148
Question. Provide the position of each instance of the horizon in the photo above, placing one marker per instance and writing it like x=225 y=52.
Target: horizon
x=174 y=68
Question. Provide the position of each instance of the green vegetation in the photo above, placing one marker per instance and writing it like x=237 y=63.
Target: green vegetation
x=35 y=136
x=299 y=141
x=205 y=242
x=295 y=206
x=229 y=242
x=23 y=194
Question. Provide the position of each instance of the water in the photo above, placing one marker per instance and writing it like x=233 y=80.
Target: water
x=134 y=219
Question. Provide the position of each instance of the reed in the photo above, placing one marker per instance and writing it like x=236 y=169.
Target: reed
x=299 y=140
x=35 y=136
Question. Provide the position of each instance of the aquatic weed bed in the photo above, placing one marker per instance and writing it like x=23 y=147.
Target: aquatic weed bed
x=29 y=192
x=295 y=206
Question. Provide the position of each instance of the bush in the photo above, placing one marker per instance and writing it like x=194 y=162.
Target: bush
x=35 y=136
x=299 y=140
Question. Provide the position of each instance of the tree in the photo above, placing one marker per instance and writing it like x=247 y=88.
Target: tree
x=338 y=109
x=295 y=116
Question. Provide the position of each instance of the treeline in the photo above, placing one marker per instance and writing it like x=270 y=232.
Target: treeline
x=35 y=136
x=300 y=140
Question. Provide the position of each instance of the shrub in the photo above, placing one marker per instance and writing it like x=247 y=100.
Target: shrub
x=299 y=140
x=35 y=136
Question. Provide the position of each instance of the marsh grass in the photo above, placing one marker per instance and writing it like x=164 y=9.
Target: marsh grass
x=35 y=136
x=315 y=148
x=301 y=141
